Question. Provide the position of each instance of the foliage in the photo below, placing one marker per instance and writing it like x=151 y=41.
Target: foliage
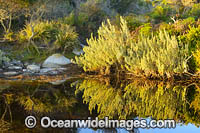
x=181 y=26
x=61 y=35
x=121 y=6
x=196 y=55
x=157 y=56
x=133 y=21
x=146 y=30
x=161 y=13
x=107 y=50
x=143 y=99
x=192 y=38
x=87 y=19
x=67 y=38
x=195 y=11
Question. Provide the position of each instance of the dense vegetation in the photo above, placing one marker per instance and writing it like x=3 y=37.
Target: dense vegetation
x=141 y=98
x=156 y=38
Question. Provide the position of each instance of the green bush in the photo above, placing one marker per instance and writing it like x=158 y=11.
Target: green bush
x=161 y=13
x=107 y=50
x=38 y=31
x=195 y=11
x=181 y=26
x=87 y=19
x=196 y=55
x=192 y=37
x=66 y=39
x=146 y=29
x=62 y=36
x=133 y=21
x=157 y=56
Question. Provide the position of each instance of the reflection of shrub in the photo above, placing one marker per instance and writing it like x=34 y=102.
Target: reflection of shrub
x=61 y=35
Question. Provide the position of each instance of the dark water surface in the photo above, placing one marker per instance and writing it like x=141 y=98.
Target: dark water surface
x=91 y=97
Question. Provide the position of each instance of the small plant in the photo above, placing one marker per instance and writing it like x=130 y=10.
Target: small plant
x=195 y=11
x=38 y=31
x=146 y=29
x=67 y=38
x=161 y=13
x=55 y=34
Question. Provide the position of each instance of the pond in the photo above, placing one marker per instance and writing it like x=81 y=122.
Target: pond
x=100 y=97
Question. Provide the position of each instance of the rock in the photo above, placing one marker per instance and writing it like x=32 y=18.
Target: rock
x=33 y=68
x=58 y=82
x=77 y=51
x=56 y=61
x=16 y=63
x=15 y=67
x=46 y=70
x=11 y=73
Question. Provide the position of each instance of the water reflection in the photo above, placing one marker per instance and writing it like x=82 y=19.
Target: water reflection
x=19 y=100
x=126 y=100
x=80 y=98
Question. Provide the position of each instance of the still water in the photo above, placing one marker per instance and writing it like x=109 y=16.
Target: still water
x=92 y=97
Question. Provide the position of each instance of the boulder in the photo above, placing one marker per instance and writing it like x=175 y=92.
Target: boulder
x=33 y=68
x=56 y=61
x=11 y=73
x=15 y=67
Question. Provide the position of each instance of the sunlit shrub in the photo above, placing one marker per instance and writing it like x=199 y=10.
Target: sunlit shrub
x=159 y=55
x=192 y=38
x=161 y=13
x=196 y=55
x=55 y=33
x=146 y=29
x=195 y=11
x=67 y=38
x=107 y=50
x=38 y=31
x=181 y=26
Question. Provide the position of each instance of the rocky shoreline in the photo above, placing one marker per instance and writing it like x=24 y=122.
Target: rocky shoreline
x=54 y=68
